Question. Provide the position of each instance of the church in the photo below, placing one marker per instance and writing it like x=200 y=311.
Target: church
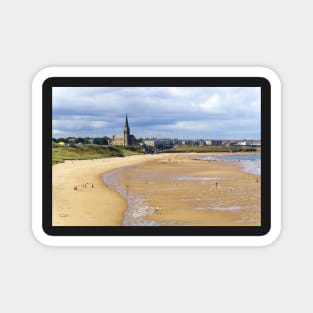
x=125 y=139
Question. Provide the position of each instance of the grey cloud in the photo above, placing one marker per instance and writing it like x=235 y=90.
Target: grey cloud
x=158 y=111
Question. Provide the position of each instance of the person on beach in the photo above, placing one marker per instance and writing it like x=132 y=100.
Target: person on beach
x=216 y=184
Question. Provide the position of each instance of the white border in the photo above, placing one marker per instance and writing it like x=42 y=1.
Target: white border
x=155 y=72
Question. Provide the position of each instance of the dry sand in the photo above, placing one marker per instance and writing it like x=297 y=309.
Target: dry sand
x=177 y=189
x=88 y=206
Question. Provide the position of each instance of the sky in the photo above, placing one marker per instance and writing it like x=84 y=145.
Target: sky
x=163 y=112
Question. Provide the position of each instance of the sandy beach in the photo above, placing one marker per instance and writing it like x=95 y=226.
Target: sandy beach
x=92 y=203
x=163 y=189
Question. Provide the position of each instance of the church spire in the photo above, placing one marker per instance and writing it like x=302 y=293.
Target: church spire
x=126 y=122
x=126 y=132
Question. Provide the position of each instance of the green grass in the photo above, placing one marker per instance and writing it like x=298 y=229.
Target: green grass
x=187 y=148
x=87 y=152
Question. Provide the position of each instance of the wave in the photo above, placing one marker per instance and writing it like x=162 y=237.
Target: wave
x=137 y=208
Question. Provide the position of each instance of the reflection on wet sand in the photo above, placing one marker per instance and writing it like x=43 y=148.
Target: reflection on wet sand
x=182 y=190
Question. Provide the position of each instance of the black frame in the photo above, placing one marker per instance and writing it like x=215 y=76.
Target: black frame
x=156 y=230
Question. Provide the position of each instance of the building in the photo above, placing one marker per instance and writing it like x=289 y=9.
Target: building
x=216 y=142
x=125 y=139
x=192 y=142
x=165 y=142
x=150 y=142
x=89 y=141
x=160 y=142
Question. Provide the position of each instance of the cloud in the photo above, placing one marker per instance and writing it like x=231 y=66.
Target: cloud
x=188 y=112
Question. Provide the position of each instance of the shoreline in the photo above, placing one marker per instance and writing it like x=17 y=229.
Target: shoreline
x=182 y=191
x=94 y=203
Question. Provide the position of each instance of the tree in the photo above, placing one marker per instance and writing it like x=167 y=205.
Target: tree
x=101 y=140
x=80 y=140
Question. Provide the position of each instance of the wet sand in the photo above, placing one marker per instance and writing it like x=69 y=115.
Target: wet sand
x=180 y=190
x=162 y=189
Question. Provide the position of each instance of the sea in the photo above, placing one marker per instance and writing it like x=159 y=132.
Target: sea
x=250 y=163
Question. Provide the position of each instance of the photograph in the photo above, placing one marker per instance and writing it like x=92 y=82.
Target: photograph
x=156 y=156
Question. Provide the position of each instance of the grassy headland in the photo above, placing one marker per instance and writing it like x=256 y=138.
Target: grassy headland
x=204 y=149
x=86 y=152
